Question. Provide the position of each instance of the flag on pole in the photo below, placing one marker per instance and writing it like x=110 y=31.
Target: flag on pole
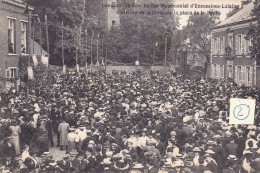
x=45 y=60
x=97 y=63
x=102 y=62
x=77 y=67
x=30 y=72
x=35 y=61
x=86 y=65
x=64 y=69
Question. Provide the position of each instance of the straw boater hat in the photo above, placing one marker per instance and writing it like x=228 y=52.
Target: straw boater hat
x=232 y=157
x=196 y=149
x=121 y=165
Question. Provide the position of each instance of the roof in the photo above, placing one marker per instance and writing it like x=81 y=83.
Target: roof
x=243 y=14
x=18 y=3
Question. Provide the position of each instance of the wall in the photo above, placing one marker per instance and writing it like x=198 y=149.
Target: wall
x=245 y=61
x=131 y=69
x=13 y=11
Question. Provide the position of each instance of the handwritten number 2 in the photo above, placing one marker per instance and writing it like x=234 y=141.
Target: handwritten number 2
x=239 y=112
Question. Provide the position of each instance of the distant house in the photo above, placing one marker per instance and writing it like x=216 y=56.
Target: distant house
x=230 y=56
x=196 y=62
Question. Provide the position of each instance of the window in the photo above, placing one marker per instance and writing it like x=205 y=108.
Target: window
x=113 y=22
x=215 y=46
x=239 y=44
x=23 y=37
x=239 y=74
x=222 y=45
x=11 y=36
x=247 y=75
x=230 y=41
x=215 y=70
x=12 y=73
x=248 y=44
x=221 y=71
x=213 y=73
x=230 y=71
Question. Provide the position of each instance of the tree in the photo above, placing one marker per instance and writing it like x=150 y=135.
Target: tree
x=143 y=35
x=198 y=31
x=254 y=34
x=76 y=21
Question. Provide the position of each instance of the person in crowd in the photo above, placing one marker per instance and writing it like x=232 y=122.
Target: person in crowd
x=16 y=130
x=63 y=130
x=129 y=123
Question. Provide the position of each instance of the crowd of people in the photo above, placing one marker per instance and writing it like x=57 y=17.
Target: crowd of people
x=136 y=123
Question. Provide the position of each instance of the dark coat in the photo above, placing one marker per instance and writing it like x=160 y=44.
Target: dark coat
x=232 y=149
x=199 y=169
x=228 y=170
x=152 y=170
x=212 y=166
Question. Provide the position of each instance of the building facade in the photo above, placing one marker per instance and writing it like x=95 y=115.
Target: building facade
x=230 y=55
x=14 y=40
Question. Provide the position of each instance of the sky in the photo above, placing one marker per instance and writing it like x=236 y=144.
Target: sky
x=191 y=3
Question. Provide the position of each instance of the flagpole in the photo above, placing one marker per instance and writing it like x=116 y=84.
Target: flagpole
x=77 y=44
x=165 y=58
x=97 y=63
x=102 y=48
x=41 y=36
x=91 y=54
x=62 y=48
x=30 y=53
x=106 y=65
x=47 y=36
x=33 y=30
x=48 y=51
x=86 y=51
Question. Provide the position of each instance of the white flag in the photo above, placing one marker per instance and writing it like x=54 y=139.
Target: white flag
x=137 y=62
x=45 y=60
x=30 y=72
x=102 y=62
x=77 y=67
x=35 y=61
x=97 y=63
x=86 y=65
x=64 y=69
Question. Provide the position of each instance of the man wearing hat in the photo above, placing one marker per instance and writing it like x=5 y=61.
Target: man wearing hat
x=196 y=151
x=63 y=130
x=220 y=154
x=211 y=163
x=231 y=165
x=65 y=164
x=232 y=147
x=149 y=166
x=201 y=167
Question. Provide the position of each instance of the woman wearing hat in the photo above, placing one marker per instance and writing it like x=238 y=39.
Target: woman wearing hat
x=16 y=130
x=72 y=139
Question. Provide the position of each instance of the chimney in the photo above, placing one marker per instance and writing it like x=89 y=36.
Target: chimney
x=243 y=3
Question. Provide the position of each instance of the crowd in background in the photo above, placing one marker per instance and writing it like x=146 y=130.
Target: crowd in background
x=121 y=123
